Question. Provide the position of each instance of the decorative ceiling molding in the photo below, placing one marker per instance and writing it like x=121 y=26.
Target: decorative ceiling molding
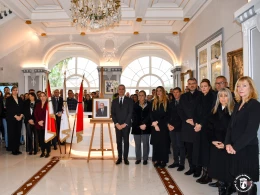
x=175 y=39
x=109 y=51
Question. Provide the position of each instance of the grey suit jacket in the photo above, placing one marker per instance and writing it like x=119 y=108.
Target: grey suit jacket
x=122 y=114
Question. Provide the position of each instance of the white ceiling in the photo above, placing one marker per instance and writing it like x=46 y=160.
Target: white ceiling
x=158 y=16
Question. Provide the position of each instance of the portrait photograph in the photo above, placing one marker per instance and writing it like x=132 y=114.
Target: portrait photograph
x=109 y=87
x=101 y=108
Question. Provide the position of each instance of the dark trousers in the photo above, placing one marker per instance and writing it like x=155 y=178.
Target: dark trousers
x=189 y=148
x=55 y=140
x=44 y=146
x=32 y=142
x=122 y=136
x=14 y=128
x=146 y=146
x=177 y=147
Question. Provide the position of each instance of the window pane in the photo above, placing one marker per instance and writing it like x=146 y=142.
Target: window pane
x=71 y=63
x=82 y=63
x=135 y=65
x=165 y=66
x=215 y=70
x=203 y=57
x=156 y=62
x=203 y=73
x=215 y=50
x=129 y=73
x=144 y=62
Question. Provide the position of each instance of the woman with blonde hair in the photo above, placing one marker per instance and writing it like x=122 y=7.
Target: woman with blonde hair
x=241 y=139
x=217 y=128
x=160 y=135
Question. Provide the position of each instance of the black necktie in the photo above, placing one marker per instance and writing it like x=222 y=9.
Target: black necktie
x=176 y=102
x=121 y=102
x=57 y=102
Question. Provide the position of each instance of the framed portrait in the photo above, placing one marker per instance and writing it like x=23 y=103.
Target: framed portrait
x=184 y=78
x=101 y=108
x=109 y=87
x=236 y=69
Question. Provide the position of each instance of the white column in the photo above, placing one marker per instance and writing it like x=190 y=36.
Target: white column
x=26 y=75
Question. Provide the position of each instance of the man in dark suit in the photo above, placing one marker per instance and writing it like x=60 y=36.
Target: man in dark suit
x=187 y=104
x=102 y=110
x=174 y=127
x=122 y=108
x=57 y=103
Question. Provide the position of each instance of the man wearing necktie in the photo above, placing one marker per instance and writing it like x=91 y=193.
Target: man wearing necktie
x=102 y=110
x=57 y=103
x=122 y=108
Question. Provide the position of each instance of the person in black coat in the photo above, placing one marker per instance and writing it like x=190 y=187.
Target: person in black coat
x=14 y=116
x=141 y=127
x=87 y=104
x=201 y=146
x=32 y=143
x=57 y=103
x=188 y=101
x=159 y=113
x=122 y=110
x=217 y=128
x=241 y=139
x=174 y=127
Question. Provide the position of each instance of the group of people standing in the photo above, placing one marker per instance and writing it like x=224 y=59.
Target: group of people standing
x=216 y=130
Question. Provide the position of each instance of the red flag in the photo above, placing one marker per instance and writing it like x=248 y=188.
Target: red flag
x=50 y=124
x=79 y=114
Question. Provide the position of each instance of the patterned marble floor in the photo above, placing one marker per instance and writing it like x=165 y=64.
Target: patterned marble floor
x=98 y=177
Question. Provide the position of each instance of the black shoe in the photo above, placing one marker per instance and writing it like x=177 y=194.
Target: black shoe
x=189 y=172
x=206 y=179
x=214 y=185
x=137 y=162
x=14 y=153
x=127 y=162
x=197 y=172
x=230 y=189
x=196 y=175
x=202 y=177
x=181 y=168
x=30 y=153
x=47 y=155
x=42 y=155
x=55 y=147
x=18 y=152
x=162 y=165
x=173 y=165
x=145 y=162
x=8 y=149
x=118 y=161
x=35 y=153
x=157 y=164
x=222 y=188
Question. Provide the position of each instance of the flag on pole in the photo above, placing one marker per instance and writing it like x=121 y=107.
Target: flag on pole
x=79 y=114
x=50 y=122
x=64 y=125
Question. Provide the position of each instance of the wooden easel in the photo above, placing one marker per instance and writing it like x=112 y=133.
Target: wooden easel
x=102 y=122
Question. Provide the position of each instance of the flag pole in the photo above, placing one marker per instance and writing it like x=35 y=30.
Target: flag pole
x=64 y=95
x=75 y=120
x=54 y=114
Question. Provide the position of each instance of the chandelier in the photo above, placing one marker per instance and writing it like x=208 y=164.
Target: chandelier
x=95 y=14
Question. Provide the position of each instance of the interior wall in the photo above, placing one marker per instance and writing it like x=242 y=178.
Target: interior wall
x=218 y=14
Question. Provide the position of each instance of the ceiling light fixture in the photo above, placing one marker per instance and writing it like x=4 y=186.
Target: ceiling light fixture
x=95 y=14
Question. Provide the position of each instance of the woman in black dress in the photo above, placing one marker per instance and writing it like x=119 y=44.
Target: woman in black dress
x=160 y=134
x=31 y=132
x=217 y=128
x=141 y=127
x=201 y=147
x=14 y=116
x=241 y=140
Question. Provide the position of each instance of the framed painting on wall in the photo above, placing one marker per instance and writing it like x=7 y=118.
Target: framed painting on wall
x=236 y=68
x=184 y=78
x=109 y=86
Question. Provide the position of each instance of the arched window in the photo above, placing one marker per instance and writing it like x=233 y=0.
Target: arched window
x=147 y=73
x=75 y=68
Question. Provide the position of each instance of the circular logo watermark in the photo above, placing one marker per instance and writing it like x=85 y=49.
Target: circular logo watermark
x=243 y=183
